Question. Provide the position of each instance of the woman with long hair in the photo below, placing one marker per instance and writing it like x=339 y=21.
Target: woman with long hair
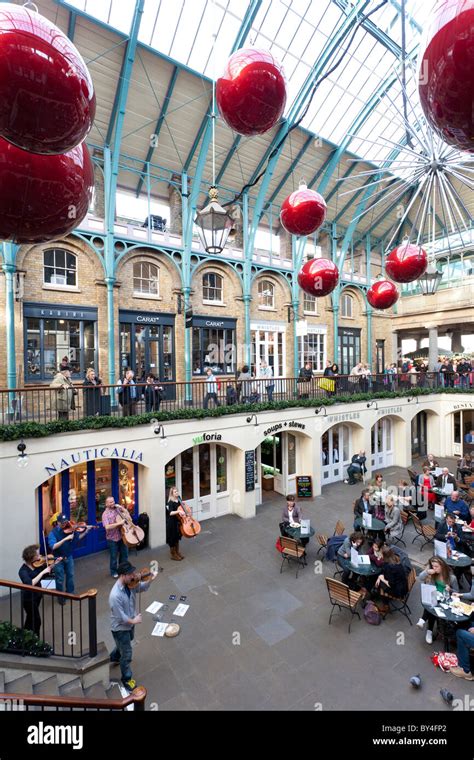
x=173 y=525
x=392 y=578
x=436 y=573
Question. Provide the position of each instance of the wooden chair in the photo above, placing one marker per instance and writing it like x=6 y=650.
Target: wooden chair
x=405 y=518
x=292 y=551
x=323 y=543
x=424 y=532
x=412 y=475
x=339 y=529
x=396 y=604
x=343 y=597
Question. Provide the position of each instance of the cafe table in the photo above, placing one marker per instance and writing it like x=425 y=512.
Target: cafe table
x=296 y=533
x=377 y=525
x=362 y=570
x=447 y=625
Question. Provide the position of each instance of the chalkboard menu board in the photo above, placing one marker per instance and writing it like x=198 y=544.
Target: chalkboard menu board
x=250 y=470
x=304 y=486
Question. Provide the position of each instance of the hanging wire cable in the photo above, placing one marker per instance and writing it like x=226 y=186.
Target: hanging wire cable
x=404 y=76
x=316 y=86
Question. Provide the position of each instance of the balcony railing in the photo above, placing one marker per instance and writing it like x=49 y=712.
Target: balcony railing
x=44 y=404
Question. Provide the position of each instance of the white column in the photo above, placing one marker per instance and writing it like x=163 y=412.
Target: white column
x=433 y=348
x=242 y=501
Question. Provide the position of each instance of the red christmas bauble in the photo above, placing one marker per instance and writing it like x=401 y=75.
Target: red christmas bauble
x=43 y=197
x=446 y=72
x=47 y=100
x=318 y=277
x=251 y=94
x=303 y=212
x=406 y=263
x=383 y=294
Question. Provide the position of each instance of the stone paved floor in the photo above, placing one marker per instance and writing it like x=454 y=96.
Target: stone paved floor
x=254 y=639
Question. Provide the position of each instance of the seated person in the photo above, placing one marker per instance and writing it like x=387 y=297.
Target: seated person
x=364 y=504
x=406 y=495
x=292 y=513
x=356 y=467
x=393 y=578
x=378 y=492
x=439 y=574
x=465 y=467
x=425 y=482
x=444 y=479
x=375 y=552
x=456 y=506
x=449 y=531
x=465 y=642
x=394 y=525
x=430 y=462
x=354 y=541
x=471 y=511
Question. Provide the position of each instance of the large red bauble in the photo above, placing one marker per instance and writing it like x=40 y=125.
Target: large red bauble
x=318 y=277
x=383 y=294
x=43 y=197
x=303 y=212
x=446 y=72
x=251 y=94
x=406 y=263
x=47 y=100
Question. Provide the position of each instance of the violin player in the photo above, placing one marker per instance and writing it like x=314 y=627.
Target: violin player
x=60 y=542
x=124 y=618
x=112 y=522
x=31 y=576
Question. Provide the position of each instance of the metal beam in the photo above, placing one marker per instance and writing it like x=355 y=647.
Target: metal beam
x=373 y=30
x=113 y=113
x=359 y=192
x=159 y=124
x=71 y=25
x=239 y=41
x=290 y=170
x=337 y=185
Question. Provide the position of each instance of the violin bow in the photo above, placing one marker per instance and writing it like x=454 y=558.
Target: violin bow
x=45 y=549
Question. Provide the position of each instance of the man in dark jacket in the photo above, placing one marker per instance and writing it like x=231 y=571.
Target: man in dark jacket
x=305 y=377
x=444 y=479
x=363 y=505
x=356 y=467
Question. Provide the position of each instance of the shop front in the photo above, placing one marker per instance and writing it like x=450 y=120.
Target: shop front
x=202 y=475
x=214 y=345
x=53 y=333
x=268 y=343
x=147 y=345
x=80 y=491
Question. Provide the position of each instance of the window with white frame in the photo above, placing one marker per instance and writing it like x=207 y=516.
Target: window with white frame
x=60 y=268
x=146 y=278
x=313 y=350
x=347 y=303
x=266 y=295
x=212 y=287
x=309 y=304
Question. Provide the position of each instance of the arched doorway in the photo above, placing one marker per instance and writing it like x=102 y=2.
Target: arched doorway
x=202 y=476
x=382 y=443
x=80 y=492
x=419 y=435
x=336 y=453
x=277 y=462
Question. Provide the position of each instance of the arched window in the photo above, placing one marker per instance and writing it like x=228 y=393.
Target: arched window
x=60 y=267
x=347 y=303
x=146 y=278
x=266 y=294
x=212 y=287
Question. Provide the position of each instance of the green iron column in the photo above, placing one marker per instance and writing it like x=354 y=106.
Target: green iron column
x=247 y=281
x=186 y=285
x=297 y=253
x=9 y=268
x=369 y=308
x=335 y=296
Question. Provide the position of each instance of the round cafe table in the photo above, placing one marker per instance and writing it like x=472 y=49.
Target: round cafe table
x=362 y=570
x=377 y=525
x=447 y=626
x=296 y=533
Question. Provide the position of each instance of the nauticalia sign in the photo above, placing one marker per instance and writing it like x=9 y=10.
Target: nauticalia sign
x=87 y=455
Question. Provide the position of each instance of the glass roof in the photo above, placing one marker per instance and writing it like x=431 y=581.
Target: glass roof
x=200 y=34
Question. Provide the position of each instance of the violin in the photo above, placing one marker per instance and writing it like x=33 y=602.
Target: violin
x=49 y=560
x=145 y=575
x=77 y=527
x=189 y=525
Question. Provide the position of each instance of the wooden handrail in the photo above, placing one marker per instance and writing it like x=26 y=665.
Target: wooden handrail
x=137 y=696
x=47 y=591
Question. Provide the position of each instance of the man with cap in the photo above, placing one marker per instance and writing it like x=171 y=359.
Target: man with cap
x=123 y=618
x=61 y=545
x=66 y=391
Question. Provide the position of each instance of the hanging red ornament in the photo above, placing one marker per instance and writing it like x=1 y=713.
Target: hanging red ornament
x=303 y=212
x=406 y=263
x=318 y=277
x=47 y=100
x=43 y=197
x=251 y=94
x=446 y=72
x=383 y=294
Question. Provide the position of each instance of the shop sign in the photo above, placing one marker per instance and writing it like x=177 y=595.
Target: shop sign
x=467 y=405
x=282 y=426
x=343 y=417
x=87 y=455
x=390 y=410
x=250 y=470
x=206 y=437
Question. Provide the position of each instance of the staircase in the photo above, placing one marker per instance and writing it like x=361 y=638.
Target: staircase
x=62 y=691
